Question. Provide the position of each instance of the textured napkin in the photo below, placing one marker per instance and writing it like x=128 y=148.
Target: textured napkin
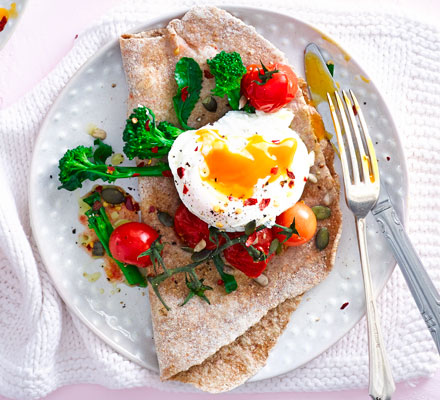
x=43 y=346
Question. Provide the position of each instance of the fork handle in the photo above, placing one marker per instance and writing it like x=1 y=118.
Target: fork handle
x=423 y=290
x=381 y=383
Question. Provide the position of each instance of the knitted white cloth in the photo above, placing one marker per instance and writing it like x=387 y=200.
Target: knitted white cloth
x=43 y=346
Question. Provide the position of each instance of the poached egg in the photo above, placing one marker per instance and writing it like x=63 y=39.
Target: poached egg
x=240 y=168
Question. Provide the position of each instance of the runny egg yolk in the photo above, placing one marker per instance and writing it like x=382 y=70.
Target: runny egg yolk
x=236 y=174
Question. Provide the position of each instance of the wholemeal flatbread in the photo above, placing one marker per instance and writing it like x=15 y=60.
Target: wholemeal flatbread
x=217 y=347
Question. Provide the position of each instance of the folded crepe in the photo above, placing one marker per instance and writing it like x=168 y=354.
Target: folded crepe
x=219 y=346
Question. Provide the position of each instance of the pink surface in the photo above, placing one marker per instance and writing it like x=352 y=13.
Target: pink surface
x=30 y=55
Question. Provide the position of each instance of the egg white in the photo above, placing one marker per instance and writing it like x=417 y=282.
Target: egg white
x=214 y=207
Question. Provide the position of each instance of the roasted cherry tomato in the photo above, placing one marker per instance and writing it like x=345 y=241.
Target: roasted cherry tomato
x=239 y=258
x=267 y=90
x=192 y=229
x=129 y=240
x=305 y=224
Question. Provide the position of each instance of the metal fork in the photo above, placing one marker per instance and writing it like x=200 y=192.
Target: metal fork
x=362 y=185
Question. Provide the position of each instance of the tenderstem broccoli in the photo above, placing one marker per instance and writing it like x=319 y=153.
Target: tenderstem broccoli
x=84 y=163
x=99 y=222
x=144 y=139
x=228 y=69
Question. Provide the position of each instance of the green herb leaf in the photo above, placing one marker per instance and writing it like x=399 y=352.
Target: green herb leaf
x=229 y=280
x=188 y=76
x=201 y=255
x=257 y=255
x=102 y=152
x=249 y=229
x=213 y=235
x=331 y=68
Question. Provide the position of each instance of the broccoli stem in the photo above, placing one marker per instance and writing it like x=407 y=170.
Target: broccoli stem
x=128 y=172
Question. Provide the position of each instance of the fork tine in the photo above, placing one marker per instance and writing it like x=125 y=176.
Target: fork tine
x=372 y=154
x=354 y=162
x=342 y=152
x=362 y=154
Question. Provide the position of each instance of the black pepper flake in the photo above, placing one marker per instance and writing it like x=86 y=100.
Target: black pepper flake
x=73 y=231
x=173 y=243
x=50 y=176
x=113 y=85
x=388 y=158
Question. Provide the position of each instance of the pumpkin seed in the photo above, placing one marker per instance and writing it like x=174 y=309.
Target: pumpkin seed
x=117 y=159
x=112 y=195
x=322 y=238
x=200 y=246
x=98 y=248
x=262 y=280
x=321 y=212
x=274 y=246
x=165 y=218
x=249 y=229
x=210 y=104
x=99 y=133
x=227 y=269
x=201 y=255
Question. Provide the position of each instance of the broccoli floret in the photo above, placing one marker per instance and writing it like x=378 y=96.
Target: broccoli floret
x=228 y=69
x=84 y=163
x=143 y=139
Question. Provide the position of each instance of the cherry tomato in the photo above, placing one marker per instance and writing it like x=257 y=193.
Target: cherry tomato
x=239 y=258
x=305 y=224
x=129 y=240
x=269 y=91
x=192 y=229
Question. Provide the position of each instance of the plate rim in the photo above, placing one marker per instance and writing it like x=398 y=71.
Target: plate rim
x=163 y=18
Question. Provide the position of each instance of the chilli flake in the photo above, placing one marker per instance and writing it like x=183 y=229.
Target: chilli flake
x=110 y=169
x=264 y=203
x=250 y=202
x=274 y=170
x=154 y=149
x=185 y=189
x=184 y=93
x=180 y=172
x=290 y=174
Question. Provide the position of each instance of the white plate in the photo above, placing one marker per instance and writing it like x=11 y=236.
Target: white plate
x=6 y=33
x=90 y=98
